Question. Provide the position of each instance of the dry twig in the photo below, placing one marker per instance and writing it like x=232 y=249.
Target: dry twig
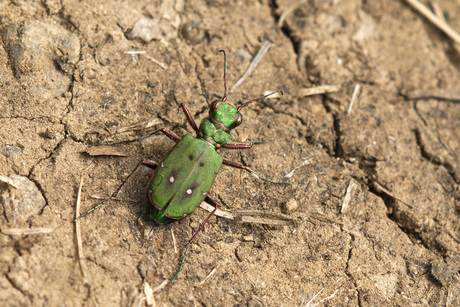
x=291 y=173
x=380 y=189
x=354 y=97
x=318 y=90
x=174 y=241
x=161 y=286
x=348 y=195
x=209 y=276
x=253 y=216
x=288 y=11
x=25 y=231
x=252 y=66
x=78 y=232
x=438 y=22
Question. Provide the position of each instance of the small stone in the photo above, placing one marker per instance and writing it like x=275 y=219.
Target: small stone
x=291 y=205
x=249 y=238
x=20 y=198
x=9 y=150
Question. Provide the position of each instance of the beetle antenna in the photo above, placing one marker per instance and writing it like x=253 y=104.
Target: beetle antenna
x=225 y=75
x=257 y=99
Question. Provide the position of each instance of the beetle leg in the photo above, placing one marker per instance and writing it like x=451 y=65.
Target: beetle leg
x=190 y=119
x=150 y=164
x=250 y=171
x=213 y=203
x=236 y=146
x=166 y=132
x=146 y=163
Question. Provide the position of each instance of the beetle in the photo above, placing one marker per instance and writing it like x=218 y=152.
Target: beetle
x=183 y=178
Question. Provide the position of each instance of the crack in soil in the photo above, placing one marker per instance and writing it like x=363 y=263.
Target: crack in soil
x=285 y=29
x=433 y=158
x=37 y=184
x=13 y=283
x=347 y=267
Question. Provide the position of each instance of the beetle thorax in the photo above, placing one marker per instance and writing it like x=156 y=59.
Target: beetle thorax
x=223 y=117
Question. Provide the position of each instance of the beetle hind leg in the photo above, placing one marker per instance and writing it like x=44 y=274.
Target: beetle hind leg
x=213 y=203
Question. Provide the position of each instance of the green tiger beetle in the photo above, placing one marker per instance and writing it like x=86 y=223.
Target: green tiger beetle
x=183 y=178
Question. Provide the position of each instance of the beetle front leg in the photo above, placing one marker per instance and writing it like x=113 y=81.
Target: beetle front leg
x=250 y=171
x=236 y=146
x=168 y=133
x=190 y=119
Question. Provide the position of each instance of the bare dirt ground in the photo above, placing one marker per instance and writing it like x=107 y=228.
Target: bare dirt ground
x=375 y=190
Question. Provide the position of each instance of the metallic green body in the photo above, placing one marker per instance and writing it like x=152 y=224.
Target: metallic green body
x=182 y=180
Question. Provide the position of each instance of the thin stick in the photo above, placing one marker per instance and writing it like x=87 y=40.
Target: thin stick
x=162 y=65
x=161 y=286
x=327 y=298
x=264 y=221
x=319 y=292
x=291 y=173
x=348 y=195
x=174 y=241
x=25 y=231
x=252 y=216
x=218 y=212
x=318 y=90
x=354 y=97
x=323 y=218
x=380 y=189
x=148 y=295
x=135 y=52
x=438 y=22
x=138 y=126
x=288 y=11
x=78 y=232
x=209 y=276
x=252 y=66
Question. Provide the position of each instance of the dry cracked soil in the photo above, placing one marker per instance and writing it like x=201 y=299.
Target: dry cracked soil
x=371 y=217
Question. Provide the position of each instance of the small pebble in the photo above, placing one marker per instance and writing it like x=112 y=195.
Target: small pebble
x=291 y=205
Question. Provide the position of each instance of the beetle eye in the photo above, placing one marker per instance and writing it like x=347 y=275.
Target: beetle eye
x=214 y=105
x=238 y=121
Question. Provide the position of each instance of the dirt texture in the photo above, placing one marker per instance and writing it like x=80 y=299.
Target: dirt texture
x=375 y=188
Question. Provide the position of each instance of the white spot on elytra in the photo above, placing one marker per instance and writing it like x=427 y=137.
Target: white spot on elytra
x=162 y=165
x=204 y=193
x=171 y=179
x=189 y=191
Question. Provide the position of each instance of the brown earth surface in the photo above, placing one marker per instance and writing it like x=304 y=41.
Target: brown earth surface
x=375 y=190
